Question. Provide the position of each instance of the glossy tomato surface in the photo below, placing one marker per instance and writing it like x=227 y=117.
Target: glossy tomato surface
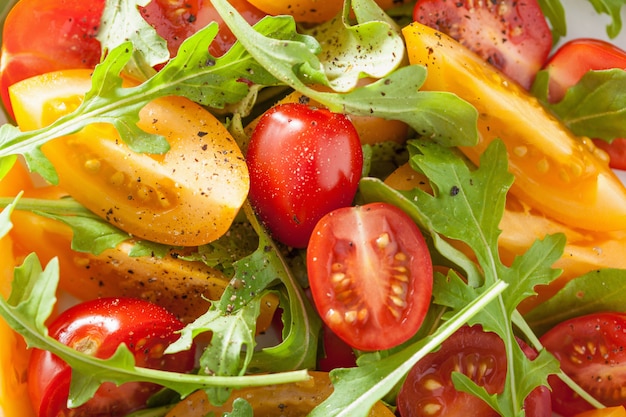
x=187 y=197
x=591 y=351
x=304 y=162
x=573 y=60
x=513 y=36
x=370 y=275
x=97 y=328
x=428 y=390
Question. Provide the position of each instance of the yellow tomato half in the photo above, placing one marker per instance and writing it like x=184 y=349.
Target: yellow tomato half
x=555 y=172
x=187 y=197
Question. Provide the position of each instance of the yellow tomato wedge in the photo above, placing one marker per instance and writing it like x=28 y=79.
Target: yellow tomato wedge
x=187 y=197
x=561 y=175
x=618 y=411
x=521 y=226
x=285 y=400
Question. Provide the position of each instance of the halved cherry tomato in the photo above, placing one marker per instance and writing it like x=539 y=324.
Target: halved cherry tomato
x=187 y=197
x=311 y=11
x=521 y=226
x=97 y=328
x=304 y=162
x=555 y=172
x=513 y=36
x=591 y=351
x=284 y=400
x=48 y=35
x=429 y=391
x=604 y=412
x=567 y=66
x=370 y=275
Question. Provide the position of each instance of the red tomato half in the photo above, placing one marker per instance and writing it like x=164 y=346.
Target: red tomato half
x=97 y=328
x=304 y=162
x=591 y=351
x=513 y=36
x=570 y=62
x=428 y=390
x=370 y=275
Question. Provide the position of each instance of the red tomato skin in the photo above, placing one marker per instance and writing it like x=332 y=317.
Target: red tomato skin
x=178 y=23
x=47 y=35
x=567 y=66
x=590 y=349
x=513 y=36
x=428 y=389
x=97 y=327
x=303 y=162
x=370 y=275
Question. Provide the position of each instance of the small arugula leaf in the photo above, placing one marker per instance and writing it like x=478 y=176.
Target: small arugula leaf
x=591 y=108
x=241 y=408
x=356 y=390
x=442 y=116
x=122 y=22
x=613 y=8
x=601 y=290
x=5 y=216
x=373 y=47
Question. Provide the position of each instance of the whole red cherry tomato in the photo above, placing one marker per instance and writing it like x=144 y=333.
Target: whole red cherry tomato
x=304 y=162
x=591 y=351
x=429 y=391
x=513 y=36
x=97 y=328
x=370 y=275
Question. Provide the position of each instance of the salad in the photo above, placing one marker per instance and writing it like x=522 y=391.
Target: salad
x=351 y=210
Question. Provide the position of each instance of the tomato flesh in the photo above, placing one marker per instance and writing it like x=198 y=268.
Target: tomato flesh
x=370 y=275
x=590 y=349
x=567 y=66
x=97 y=328
x=304 y=162
x=513 y=36
x=428 y=390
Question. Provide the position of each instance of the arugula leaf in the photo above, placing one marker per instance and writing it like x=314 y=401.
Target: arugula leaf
x=440 y=115
x=596 y=291
x=356 y=390
x=590 y=107
x=613 y=8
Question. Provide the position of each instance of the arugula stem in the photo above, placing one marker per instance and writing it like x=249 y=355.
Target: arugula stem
x=64 y=206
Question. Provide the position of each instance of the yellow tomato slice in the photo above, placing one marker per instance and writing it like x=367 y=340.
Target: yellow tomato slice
x=555 y=172
x=186 y=197
x=618 y=411
x=521 y=226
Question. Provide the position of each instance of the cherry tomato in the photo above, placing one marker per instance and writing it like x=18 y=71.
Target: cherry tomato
x=567 y=66
x=97 y=328
x=303 y=162
x=429 y=391
x=557 y=173
x=513 y=36
x=370 y=275
x=175 y=21
x=312 y=11
x=47 y=35
x=284 y=400
x=336 y=354
x=591 y=351
x=187 y=197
